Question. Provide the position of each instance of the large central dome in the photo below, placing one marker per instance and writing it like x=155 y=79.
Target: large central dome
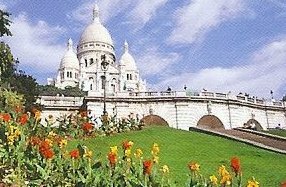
x=95 y=32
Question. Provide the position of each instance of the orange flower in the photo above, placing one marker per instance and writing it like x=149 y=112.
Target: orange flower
x=45 y=149
x=48 y=153
x=18 y=109
x=283 y=184
x=147 y=167
x=74 y=154
x=127 y=144
x=112 y=157
x=87 y=127
x=23 y=119
x=6 y=117
x=235 y=165
x=34 y=140
x=194 y=167
x=44 y=145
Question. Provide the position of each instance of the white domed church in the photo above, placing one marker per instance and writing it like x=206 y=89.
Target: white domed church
x=84 y=68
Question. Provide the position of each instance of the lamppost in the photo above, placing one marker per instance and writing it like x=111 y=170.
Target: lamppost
x=104 y=68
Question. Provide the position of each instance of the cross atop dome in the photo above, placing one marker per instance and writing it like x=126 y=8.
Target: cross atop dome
x=96 y=13
x=126 y=46
x=70 y=43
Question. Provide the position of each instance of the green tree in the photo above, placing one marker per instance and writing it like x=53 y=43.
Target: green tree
x=27 y=86
x=6 y=57
x=4 y=23
x=7 y=63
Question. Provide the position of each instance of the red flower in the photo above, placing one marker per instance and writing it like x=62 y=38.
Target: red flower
x=44 y=145
x=126 y=145
x=23 y=119
x=112 y=157
x=87 y=127
x=6 y=117
x=74 y=154
x=235 y=165
x=147 y=167
x=45 y=149
x=283 y=184
x=48 y=153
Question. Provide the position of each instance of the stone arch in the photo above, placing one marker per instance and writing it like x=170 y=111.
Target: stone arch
x=255 y=122
x=210 y=121
x=154 y=120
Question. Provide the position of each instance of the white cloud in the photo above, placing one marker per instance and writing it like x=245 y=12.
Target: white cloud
x=265 y=71
x=195 y=20
x=138 y=12
x=152 y=62
x=35 y=45
x=144 y=10
x=108 y=9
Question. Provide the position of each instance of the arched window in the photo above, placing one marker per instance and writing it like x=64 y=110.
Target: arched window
x=85 y=61
x=103 y=80
x=130 y=76
x=127 y=76
x=90 y=87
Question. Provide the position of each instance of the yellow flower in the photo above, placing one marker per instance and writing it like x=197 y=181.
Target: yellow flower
x=156 y=159
x=63 y=143
x=127 y=153
x=222 y=171
x=155 y=149
x=37 y=115
x=52 y=134
x=138 y=153
x=252 y=183
x=114 y=150
x=87 y=153
x=11 y=140
x=226 y=179
x=213 y=180
x=17 y=132
x=165 y=169
x=49 y=141
x=225 y=176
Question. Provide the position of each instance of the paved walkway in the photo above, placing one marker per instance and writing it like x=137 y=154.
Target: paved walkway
x=260 y=140
x=263 y=139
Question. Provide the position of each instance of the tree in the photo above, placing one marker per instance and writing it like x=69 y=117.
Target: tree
x=5 y=23
x=7 y=63
x=6 y=57
x=25 y=85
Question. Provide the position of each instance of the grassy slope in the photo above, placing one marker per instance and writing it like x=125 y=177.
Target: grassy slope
x=179 y=147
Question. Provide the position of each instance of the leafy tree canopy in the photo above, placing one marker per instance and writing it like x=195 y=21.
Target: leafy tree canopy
x=49 y=90
x=4 y=23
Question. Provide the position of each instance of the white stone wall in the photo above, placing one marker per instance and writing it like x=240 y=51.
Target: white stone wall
x=178 y=110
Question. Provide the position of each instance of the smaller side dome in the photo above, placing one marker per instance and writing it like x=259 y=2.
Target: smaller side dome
x=127 y=60
x=69 y=60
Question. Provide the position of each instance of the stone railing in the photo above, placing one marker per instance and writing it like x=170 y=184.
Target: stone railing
x=60 y=101
x=78 y=101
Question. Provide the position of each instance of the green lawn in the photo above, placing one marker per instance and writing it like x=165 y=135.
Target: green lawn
x=278 y=132
x=179 y=147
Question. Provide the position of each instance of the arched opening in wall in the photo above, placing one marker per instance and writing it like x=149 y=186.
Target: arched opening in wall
x=154 y=120
x=211 y=122
x=253 y=124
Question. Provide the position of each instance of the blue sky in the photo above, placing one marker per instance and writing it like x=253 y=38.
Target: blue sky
x=219 y=45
